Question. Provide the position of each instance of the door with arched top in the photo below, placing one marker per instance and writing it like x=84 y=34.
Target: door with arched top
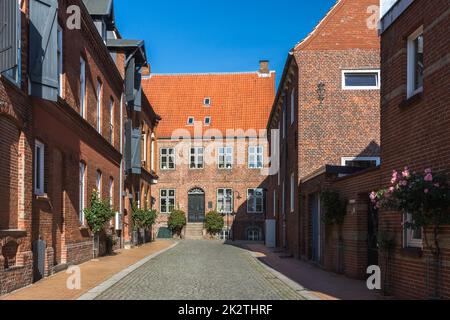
x=196 y=205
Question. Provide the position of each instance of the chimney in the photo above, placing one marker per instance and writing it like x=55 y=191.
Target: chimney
x=264 y=67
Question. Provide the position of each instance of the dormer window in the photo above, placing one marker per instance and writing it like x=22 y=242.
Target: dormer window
x=207 y=102
x=207 y=121
x=190 y=121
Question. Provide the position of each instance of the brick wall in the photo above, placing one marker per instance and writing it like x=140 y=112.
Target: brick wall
x=415 y=132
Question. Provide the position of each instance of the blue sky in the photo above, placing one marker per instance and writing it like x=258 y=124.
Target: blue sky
x=218 y=35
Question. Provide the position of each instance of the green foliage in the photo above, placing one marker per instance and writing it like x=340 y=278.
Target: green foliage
x=335 y=208
x=143 y=218
x=99 y=213
x=386 y=241
x=177 y=221
x=214 y=222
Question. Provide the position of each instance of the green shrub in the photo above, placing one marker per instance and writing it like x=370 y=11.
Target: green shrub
x=99 y=213
x=177 y=221
x=335 y=208
x=143 y=218
x=214 y=222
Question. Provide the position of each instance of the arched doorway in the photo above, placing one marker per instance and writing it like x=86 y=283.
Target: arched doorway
x=196 y=205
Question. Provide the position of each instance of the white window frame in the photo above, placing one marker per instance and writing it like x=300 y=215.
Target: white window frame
x=39 y=189
x=152 y=153
x=409 y=240
x=60 y=60
x=253 y=238
x=227 y=195
x=292 y=106
x=198 y=165
x=258 y=152
x=225 y=152
x=111 y=191
x=208 y=121
x=349 y=71
x=345 y=159
x=82 y=192
x=252 y=200
x=14 y=75
x=292 y=200
x=411 y=71
x=111 y=121
x=189 y=121
x=168 y=198
x=207 y=104
x=99 y=106
x=167 y=156
x=82 y=87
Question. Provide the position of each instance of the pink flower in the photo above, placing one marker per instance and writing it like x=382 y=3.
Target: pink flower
x=403 y=183
x=406 y=173
x=428 y=171
x=373 y=196
x=391 y=189
x=426 y=191
x=429 y=177
x=395 y=177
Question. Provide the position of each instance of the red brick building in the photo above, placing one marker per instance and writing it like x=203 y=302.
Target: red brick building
x=211 y=152
x=327 y=112
x=66 y=93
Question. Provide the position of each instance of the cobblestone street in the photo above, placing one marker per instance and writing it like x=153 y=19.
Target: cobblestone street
x=202 y=270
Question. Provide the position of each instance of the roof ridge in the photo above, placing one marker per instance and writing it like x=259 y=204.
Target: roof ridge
x=205 y=73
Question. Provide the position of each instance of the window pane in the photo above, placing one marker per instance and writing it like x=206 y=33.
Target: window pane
x=419 y=67
x=361 y=79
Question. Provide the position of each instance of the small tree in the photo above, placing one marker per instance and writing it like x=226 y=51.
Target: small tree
x=143 y=219
x=177 y=221
x=335 y=208
x=214 y=222
x=98 y=214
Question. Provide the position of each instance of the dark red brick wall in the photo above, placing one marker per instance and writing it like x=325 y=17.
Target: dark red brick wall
x=415 y=133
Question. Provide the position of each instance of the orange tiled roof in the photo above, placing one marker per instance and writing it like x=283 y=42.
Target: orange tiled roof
x=238 y=100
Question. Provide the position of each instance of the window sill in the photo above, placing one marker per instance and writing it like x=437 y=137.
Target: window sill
x=42 y=197
x=412 y=252
x=411 y=101
x=83 y=228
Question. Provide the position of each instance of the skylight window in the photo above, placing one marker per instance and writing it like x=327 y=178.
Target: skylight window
x=208 y=121
x=190 y=121
x=207 y=102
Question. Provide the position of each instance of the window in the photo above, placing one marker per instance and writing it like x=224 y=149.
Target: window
x=253 y=234
x=98 y=182
x=190 y=121
x=60 y=60
x=167 y=158
x=361 y=79
x=255 y=201
x=361 y=162
x=292 y=106
x=111 y=121
x=111 y=191
x=284 y=119
x=167 y=200
x=225 y=234
x=225 y=155
x=82 y=192
x=207 y=121
x=292 y=193
x=256 y=157
x=207 y=102
x=39 y=168
x=415 y=63
x=152 y=153
x=82 y=87
x=144 y=149
x=196 y=158
x=14 y=73
x=99 y=107
x=413 y=237
x=225 y=200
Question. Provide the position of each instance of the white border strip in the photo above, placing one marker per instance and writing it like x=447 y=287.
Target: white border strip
x=98 y=290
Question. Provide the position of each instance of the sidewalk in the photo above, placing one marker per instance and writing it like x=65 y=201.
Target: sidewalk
x=93 y=273
x=323 y=284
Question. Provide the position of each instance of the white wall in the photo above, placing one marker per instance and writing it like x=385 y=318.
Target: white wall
x=385 y=5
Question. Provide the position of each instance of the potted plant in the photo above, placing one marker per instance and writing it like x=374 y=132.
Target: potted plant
x=426 y=197
x=97 y=215
x=214 y=223
x=176 y=222
x=143 y=219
